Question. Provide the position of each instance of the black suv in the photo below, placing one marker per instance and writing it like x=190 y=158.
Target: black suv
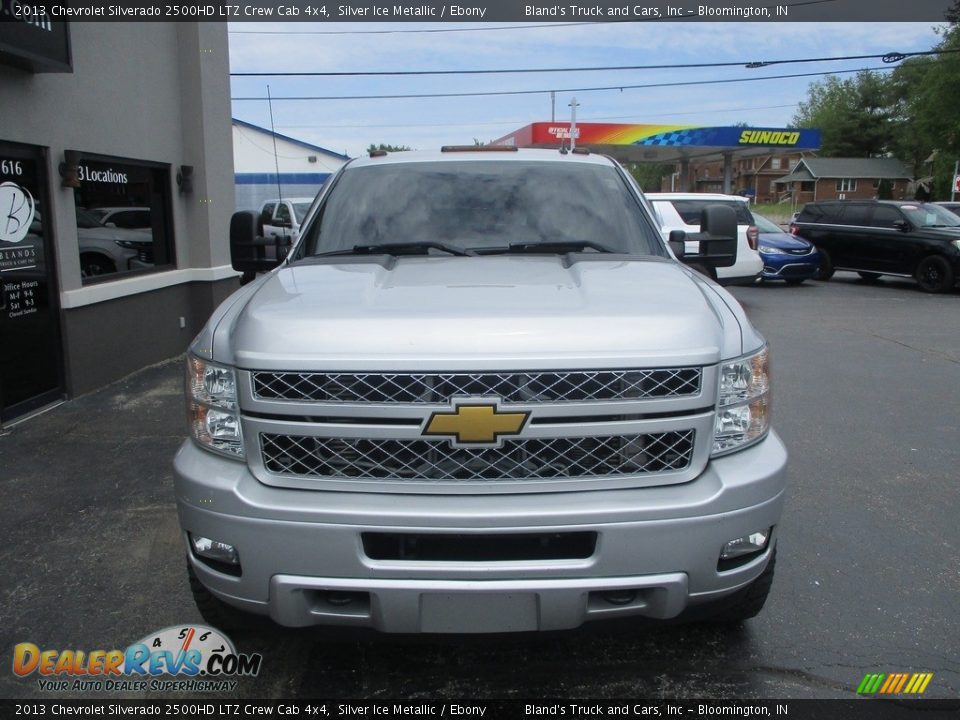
x=883 y=237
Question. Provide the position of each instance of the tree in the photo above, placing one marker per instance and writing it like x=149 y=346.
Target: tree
x=386 y=148
x=853 y=115
x=928 y=89
x=650 y=175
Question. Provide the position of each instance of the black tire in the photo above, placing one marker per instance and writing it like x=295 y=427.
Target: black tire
x=934 y=274
x=216 y=612
x=94 y=264
x=826 y=266
x=746 y=603
x=869 y=276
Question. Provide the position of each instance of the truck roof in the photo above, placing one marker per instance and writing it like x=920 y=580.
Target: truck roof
x=481 y=155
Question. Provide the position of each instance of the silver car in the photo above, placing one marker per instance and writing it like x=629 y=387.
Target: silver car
x=481 y=394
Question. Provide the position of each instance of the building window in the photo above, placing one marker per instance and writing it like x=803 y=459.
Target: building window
x=123 y=217
x=846 y=185
x=775 y=163
x=807 y=186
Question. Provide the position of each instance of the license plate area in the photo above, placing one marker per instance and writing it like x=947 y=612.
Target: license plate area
x=478 y=612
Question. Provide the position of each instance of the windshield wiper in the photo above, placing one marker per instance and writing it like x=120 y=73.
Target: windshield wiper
x=403 y=248
x=553 y=248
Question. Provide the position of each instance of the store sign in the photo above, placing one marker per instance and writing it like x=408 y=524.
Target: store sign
x=31 y=40
x=106 y=175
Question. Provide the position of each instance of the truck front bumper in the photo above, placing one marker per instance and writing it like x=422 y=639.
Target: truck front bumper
x=303 y=561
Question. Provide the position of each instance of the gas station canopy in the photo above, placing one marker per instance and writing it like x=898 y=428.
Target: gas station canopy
x=664 y=143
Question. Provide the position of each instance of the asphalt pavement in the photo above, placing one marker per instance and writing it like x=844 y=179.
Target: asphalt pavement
x=866 y=391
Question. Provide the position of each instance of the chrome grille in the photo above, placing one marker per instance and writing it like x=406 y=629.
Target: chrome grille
x=559 y=386
x=522 y=459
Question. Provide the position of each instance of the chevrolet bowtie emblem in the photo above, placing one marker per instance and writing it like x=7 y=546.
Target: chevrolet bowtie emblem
x=475 y=423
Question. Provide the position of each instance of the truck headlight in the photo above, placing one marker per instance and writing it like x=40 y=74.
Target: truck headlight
x=212 y=412
x=743 y=404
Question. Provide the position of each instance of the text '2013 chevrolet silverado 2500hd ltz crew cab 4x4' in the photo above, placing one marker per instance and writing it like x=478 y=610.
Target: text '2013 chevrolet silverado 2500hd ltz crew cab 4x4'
x=480 y=394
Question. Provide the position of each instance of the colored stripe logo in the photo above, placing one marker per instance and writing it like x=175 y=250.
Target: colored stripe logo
x=894 y=683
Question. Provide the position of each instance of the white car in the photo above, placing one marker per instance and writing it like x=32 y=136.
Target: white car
x=681 y=211
x=129 y=218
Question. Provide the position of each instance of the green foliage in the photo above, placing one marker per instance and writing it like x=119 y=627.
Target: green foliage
x=911 y=114
x=387 y=148
x=930 y=88
x=649 y=175
x=853 y=114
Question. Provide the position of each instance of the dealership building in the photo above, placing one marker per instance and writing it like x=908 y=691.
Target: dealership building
x=117 y=186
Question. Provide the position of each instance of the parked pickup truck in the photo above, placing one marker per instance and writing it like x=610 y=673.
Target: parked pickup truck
x=283 y=218
x=480 y=394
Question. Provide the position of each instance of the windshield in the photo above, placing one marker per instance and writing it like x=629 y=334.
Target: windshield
x=475 y=205
x=927 y=215
x=689 y=210
x=766 y=226
x=300 y=210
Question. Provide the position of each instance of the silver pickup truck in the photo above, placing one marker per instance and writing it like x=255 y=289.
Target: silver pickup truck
x=480 y=394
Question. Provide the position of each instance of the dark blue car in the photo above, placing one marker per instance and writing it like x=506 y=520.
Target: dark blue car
x=785 y=256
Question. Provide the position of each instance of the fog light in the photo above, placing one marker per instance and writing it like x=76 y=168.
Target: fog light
x=746 y=545
x=215 y=550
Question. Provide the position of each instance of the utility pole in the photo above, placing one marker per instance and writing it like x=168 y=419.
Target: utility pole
x=573 y=122
x=553 y=106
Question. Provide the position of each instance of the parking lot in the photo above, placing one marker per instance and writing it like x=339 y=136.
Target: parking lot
x=866 y=382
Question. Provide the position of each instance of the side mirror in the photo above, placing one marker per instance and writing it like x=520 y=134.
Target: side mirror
x=717 y=238
x=250 y=252
x=901 y=225
x=678 y=243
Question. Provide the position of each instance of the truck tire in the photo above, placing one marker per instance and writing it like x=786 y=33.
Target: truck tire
x=216 y=612
x=94 y=264
x=934 y=274
x=746 y=603
x=826 y=266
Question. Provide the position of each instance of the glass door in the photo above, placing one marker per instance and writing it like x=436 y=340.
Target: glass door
x=31 y=356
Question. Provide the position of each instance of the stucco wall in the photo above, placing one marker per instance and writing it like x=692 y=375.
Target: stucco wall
x=157 y=92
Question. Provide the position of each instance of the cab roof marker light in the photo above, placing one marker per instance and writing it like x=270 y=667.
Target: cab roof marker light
x=478 y=148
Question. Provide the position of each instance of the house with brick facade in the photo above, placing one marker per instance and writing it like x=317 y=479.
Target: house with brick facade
x=845 y=179
x=753 y=176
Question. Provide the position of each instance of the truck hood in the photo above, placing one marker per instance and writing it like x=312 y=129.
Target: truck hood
x=417 y=313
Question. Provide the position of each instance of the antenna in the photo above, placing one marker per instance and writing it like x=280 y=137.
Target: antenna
x=273 y=132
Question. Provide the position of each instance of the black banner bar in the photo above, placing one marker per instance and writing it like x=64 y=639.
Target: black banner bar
x=859 y=709
x=538 y=11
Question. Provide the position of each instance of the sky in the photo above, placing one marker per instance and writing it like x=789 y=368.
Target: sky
x=350 y=126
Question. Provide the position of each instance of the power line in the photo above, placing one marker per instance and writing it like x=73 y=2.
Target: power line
x=621 y=88
x=890 y=57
